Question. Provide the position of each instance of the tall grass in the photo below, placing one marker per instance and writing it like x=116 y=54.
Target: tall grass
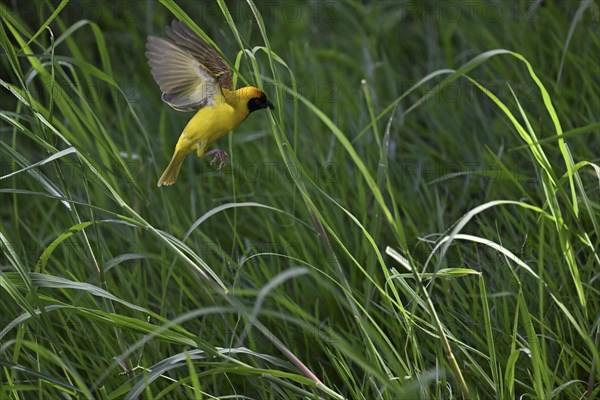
x=417 y=218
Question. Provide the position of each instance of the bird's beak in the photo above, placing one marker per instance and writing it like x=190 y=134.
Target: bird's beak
x=270 y=105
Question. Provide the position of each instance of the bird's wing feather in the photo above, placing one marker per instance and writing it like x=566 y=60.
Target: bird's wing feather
x=181 y=34
x=186 y=83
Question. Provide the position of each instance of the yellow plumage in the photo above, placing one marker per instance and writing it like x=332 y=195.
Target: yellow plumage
x=193 y=76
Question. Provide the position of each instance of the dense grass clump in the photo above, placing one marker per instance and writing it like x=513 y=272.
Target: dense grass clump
x=417 y=218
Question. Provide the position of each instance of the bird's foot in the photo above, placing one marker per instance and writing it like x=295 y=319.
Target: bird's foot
x=221 y=157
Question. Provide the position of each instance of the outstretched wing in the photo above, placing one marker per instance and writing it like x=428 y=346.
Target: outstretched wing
x=189 y=72
x=180 y=34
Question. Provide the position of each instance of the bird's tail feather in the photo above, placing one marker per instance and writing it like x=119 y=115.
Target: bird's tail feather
x=170 y=175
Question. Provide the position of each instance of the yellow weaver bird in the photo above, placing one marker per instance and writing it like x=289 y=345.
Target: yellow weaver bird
x=192 y=76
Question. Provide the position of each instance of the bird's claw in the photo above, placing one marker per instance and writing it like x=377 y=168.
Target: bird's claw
x=221 y=157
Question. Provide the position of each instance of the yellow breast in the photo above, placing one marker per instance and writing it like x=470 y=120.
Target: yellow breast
x=209 y=124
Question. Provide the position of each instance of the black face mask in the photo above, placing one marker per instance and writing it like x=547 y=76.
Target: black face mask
x=258 y=103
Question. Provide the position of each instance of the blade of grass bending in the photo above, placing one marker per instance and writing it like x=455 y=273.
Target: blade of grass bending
x=226 y=206
x=46 y=183
x=53 y=157
x=453 y=75
x=46 y=23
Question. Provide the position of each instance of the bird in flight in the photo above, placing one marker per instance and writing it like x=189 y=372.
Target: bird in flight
x=193 y=77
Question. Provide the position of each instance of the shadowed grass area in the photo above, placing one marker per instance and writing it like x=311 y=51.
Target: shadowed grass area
x=417 y=218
